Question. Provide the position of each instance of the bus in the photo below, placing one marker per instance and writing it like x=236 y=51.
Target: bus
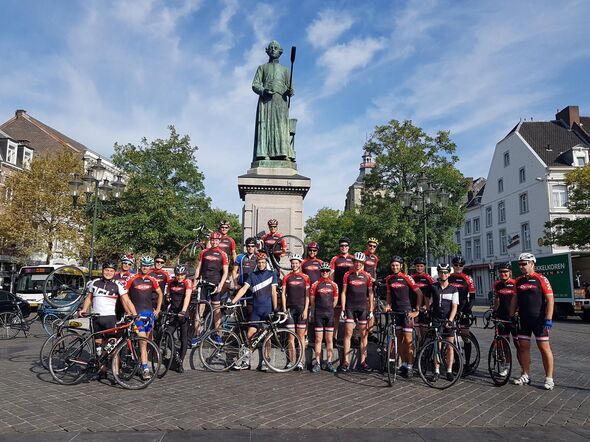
x=31 y=279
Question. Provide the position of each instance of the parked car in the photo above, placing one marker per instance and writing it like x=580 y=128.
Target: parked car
x=9 y=300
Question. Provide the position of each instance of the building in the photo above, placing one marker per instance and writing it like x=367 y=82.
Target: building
x=524 y=189
x=355 y=191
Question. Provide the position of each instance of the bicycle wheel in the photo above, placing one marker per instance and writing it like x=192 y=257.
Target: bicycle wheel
x=283 y=248
x=126 y=364
x=282 y=350
x=392 y=354
x=10 y=325
x=70 y=358
x=219 y=350
x=49 y=320
x=64 y=286
x=487 y=317
x=470 y=352
x=201 y=320
x=167 y=352
x=500 y=361
x=433 y=363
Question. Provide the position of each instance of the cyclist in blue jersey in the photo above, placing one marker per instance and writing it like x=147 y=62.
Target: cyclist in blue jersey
x=245 y=264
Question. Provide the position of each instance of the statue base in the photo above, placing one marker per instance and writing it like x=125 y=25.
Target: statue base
x=273 y=164
x=273 y=192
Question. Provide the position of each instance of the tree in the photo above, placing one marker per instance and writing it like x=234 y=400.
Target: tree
x=40 y=214
x=573 y=232
x=327 y=226
x=163 y=202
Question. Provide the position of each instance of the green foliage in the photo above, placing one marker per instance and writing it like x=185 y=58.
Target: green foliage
x=573 y=233
x=328 y=226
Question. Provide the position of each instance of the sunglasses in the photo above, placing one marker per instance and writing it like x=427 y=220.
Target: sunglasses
x=224 y=227
x=250 y=245
x=159 y=262
x=372 y=246
x=324 y=271
x=344 y=245
x=504 y=271
x=522 y=264
x=443 y=272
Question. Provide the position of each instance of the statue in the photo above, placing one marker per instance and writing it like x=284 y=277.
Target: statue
x=272 y=135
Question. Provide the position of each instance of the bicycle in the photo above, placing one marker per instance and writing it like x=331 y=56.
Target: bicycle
x=199 y=243
x=65 y=286
x=53 y=319
x=387 y=347
x=467 y=343
x=500 y=355
x=282 y=350
x=13 y=322
x=74 y=357
x=281 y=251
x=66 y=325
x=439 y=354
x=165 y=341
x=199 y=313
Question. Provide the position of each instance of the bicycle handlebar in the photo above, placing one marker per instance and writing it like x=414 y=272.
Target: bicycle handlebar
x=281 y=318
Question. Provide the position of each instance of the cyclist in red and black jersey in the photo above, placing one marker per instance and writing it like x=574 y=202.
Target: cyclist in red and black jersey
x=269 y=240
x=464 y=285
x=339 y=265
x=371 y=268
x=323 y=299
x=505 y=301
x=311 y=264
x=357 y=306
x=213 y=266
x=424 y=281
x=126 y=271
x=179 y=298
x=227 y=243
x=295 y=297
x=534 y=297
x=399 y=286
x=160 y=275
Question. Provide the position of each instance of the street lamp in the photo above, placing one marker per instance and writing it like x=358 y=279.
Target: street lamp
x=94 y=183
x=423 y=195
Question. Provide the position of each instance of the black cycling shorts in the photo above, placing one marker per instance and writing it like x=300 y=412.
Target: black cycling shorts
x=324 y=321
x=102 y=323
x=535 y=327
x=404 y=323
x=295 y=318
x=356 y=315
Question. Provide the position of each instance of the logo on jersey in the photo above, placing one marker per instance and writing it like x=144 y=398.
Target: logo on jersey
x=295 y=282
x=326 y=291
x=528 y=286
x=213 y=257
x=357 y=282
x=143 y=286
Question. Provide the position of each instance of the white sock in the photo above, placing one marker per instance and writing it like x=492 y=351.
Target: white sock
x=548 y=379
x=436 y=370
x=410 y=366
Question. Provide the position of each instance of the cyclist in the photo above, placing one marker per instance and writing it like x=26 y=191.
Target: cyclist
x=180 y=290
x=227 y=243
x=213 y=266
x=339 y=265
x=103 y=294
x=444 y=306
x=269 y=239
x=399 y=285
x=295 y=299
x=323 y=298
x=263 y=285
x=126 y=270
x=505 y=303
x=245 y=264
x=535 y=301
x=371 y=268
x=357 y=306
x=311 y=264
x=464 y=285
x=424 y=281
x=160 y=275
x=140 y=287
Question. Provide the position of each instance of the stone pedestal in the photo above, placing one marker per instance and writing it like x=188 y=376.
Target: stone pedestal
x=273 y=192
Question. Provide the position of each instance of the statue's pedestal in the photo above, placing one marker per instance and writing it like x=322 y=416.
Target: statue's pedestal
x=273 y=192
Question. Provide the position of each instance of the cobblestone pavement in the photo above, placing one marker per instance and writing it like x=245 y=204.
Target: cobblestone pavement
x=251 y=401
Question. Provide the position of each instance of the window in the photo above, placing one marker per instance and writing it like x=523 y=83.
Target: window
x=506 y=159
x=501 y=185
x=11 y=154
x=521 y=175
x=580 y=161
x=27 y=158
x=479 y=285
x=468 y=250
x=476 y=225
x=477 y=248
x=501 y=212
x=489 y=220
x=467 y=227
x=525 y=234
x=503 y=241
x=523 y=202
x=559 y=196
x=458 y=237
x=490 y=243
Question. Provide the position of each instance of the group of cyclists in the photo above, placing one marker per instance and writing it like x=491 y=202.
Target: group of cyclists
x=319 y=295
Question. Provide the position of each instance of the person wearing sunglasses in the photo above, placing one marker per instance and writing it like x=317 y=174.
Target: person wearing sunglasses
x=339 y=265
x=466 y=288
x=227 y=243
x=534 y=297
x=245 y=264
x=311 y=264
x=160 y=275
x=505 y=303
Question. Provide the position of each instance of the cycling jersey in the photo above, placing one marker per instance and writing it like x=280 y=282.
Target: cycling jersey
x=261 y=282
x=246 y=265
x=530 y=294
x=178 y=291
x=163 y=278
x=443 y=300
x=424 y=282
x=399 y=287
x=466 y=289
x=123 y=276
x=105 y=293
x=295 y=286
x=357 y=289
x=371 y=264
x=324 y=291
x=311 y=267
x=140 y=288
x=340 y=264
x=269 y=240
x=505 y=291
x=228 y=245
x=212 y=261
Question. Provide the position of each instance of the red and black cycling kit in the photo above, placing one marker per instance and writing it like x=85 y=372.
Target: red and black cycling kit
x=505 y=291
x=295 y=286
x=228 y=245
x=140 y=288
x=358 y=286
x=371 y=264
x=340 y=264
x=177 y=292
x=424 y=282
x=212 y=261
x=311 y=267
x=323 y=292
x=466 y=289
x=163 y=278
x=269 y=240
x=399 y=286
x=123 y=276
x=530 y=295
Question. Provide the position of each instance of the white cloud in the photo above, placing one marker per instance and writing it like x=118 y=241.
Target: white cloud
x=222 y=26
x=328 y=27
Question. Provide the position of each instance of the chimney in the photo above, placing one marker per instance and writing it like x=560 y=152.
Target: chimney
x=569 y=115
x=20 y=113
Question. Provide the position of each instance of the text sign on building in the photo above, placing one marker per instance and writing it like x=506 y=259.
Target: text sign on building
x=557 y=269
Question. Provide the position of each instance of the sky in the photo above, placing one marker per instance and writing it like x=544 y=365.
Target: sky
x=105 y=71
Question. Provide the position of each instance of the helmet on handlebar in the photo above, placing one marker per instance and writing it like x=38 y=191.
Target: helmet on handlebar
x=146 y=261
x=419 y=260
x=296 y=257
x=360 y=256
x=180 y=270
x=215 y=235
x=251 y=241
x=109 y=264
